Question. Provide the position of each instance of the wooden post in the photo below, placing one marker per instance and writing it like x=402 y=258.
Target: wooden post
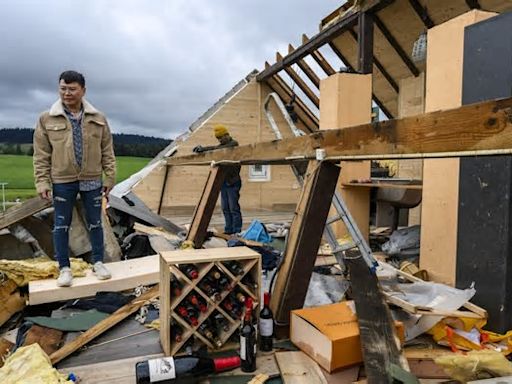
x=204 y=209
x=304 y=239
x=365 y=43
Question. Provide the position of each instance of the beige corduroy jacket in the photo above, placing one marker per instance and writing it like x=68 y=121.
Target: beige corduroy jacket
x=54 y=155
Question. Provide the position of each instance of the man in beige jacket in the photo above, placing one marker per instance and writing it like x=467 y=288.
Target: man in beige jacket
x=72 y=148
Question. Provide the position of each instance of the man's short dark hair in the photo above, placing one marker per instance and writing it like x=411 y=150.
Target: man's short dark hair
x=72 y=77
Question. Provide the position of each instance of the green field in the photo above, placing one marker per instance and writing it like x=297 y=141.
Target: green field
x=18 y=172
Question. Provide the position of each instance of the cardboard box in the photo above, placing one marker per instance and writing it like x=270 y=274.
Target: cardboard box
x=330 y=334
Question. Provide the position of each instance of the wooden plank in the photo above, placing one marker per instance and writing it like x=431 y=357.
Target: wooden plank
x=365 y=42
x=304 y=239
x=138 y=227
x=380 y=344
x=319 y=58
x=298 y=368
x=384 y=184
x=477 y=129
x=126 y=274
x=208 y=255
x=204 y=209
x=26 y=209
x=119 y=315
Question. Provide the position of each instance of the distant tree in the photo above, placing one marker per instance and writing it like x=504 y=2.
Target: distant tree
x=30 y=151
x=9 y=149
x=18 y=150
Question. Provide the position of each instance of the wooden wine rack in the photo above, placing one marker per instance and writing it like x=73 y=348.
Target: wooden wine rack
x=204 y=260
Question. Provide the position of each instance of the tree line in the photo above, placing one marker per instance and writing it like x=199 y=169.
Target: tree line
x=18 y=141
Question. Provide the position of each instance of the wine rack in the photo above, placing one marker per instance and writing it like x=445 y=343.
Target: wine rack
x=214 y=308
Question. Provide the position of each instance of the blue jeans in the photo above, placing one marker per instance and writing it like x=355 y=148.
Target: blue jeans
x=230 y=194
x=64 y=198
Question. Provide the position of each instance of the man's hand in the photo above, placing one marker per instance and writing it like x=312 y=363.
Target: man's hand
x=47 y=195
x=198 y=149
x=106 y=191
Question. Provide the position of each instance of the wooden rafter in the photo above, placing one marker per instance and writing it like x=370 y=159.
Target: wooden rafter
x=300 y=83
x=476 y=129
x=422 y=13
x=345 y=61
x=396 y=46
x=379 y=66
x=322 y=38
x=278 y=85
x=308 y=71
x=320 y=59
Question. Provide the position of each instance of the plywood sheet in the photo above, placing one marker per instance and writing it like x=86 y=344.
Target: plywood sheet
x=126 y=274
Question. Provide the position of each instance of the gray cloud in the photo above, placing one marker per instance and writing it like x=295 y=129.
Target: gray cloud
x=152 y=66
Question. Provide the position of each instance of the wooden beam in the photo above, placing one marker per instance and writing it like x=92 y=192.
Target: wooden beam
x=365 y=43
x=305 y=235
x=422 y=13
x=308 y=71
x=204 y=209
x=477 y=129
x=162 y=193
x=126 y=274
x=300 y=83
x=277 y=84
x=119 y=315
x=320 y=59
x=321 y=38
x=473 y=4
x=379 y=341
x=396 y=46
x=26 y=209
x=379 y=66
x=345 y=61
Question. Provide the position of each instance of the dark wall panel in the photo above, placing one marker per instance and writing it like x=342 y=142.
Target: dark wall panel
x=484 y=241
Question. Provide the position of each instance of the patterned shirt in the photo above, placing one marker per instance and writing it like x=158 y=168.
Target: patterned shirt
x=76 y=123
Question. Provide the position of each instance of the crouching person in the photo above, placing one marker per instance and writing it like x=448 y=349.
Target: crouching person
x=72 y=147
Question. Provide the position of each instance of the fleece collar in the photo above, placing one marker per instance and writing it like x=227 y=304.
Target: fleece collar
x=58 y=109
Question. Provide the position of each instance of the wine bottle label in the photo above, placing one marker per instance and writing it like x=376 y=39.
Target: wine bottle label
x=242 y=348
x=161 y=369
x=266 y=327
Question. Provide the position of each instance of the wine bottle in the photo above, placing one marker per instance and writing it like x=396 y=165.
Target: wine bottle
x=266 y=325
x=176 y=333
x=249 y=281
x=209 y=288
x=190 y=270
x=168 y=369
x=208 y=331
x=189 y=314
x=235 y=267
x=221 y=322
x=197 y=303
x=176 y=287
x=248 y=343
x=216 y=275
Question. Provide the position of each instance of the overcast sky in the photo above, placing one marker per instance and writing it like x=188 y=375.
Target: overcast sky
x=152 y=66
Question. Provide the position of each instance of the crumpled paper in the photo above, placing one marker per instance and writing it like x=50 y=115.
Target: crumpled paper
x=39 y=268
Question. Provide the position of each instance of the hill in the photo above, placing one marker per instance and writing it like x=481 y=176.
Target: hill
x=18 y=141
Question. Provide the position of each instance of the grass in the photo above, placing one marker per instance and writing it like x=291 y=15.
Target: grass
x=17 y=170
